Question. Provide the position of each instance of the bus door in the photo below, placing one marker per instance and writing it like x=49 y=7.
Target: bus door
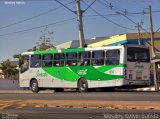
x=24 y=67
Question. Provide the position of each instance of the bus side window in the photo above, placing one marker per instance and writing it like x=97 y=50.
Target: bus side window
x=24 y=63
x=112 y=57
x=47 y=60
x=84 y=58
x=98 y=58
x=35 y=61
x=71 y=59
x=59 y=59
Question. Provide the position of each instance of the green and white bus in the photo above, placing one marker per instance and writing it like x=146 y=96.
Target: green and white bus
x=85 y=68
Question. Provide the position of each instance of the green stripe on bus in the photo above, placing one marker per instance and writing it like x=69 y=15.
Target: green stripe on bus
x=56 y=51
x=91 y=73
x=73 y=50
x=46 y=52
x=74 y=73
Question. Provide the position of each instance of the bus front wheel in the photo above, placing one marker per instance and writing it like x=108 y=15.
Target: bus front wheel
x=82 y=85
x=34 y=86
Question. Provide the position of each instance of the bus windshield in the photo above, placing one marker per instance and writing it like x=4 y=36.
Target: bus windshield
x=138 y=54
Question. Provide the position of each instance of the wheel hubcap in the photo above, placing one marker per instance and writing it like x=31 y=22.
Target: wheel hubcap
x=83 y=86
x=34 y=86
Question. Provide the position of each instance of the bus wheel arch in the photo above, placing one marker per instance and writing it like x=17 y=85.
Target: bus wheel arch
x=34 y=85
x=82 y=85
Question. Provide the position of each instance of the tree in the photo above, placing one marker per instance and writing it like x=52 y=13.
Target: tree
x=9 y=69
x=17 y=56
x=44 y=43
x=45 y=40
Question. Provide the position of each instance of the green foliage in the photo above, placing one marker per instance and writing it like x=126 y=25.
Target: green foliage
x=44 y=46
x=17 y=56
x=9 y=69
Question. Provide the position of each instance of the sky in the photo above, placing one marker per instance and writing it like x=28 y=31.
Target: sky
x=21 y=21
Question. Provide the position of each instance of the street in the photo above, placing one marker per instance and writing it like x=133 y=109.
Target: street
x=77 y=113
x=114 y=96
x=71 y=105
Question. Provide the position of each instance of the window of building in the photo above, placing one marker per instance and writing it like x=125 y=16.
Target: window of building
x=112 y=57
x=59 y=59
x=47 y=60
x=35 y=61
x=98 y=58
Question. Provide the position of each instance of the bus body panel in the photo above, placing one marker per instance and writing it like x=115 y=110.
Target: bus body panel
x=96 y=76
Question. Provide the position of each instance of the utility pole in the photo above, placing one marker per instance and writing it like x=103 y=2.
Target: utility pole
x=151 y=31
x=153 y=53
x=80 y=23
x=138 y=28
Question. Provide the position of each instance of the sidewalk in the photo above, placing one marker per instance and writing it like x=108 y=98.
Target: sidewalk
x=151 y=88
x=147 y=89
x=24 y=91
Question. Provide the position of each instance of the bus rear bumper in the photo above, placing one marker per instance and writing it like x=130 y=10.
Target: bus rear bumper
x=137 y=82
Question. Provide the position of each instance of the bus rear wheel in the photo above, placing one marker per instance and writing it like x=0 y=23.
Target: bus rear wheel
x=82 y=85
x=34 y=86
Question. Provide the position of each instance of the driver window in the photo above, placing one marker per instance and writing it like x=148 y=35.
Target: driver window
x=24 y=63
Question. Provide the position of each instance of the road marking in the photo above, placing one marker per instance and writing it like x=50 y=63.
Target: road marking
x=2 y=107
x=21 y=106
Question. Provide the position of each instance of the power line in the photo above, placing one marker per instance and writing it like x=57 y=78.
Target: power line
x=110 y=5
x=75 y=11
x=125 y=15
x=25 y=30
x=65 y=6
x=43 y=13
x=50 y=24
x=157 y=11
x=89 y=5
x=158 y=29
x=128 y=13
x=108 y=19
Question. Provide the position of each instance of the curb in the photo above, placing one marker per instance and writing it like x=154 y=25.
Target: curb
x=147 y=89
x=23 y=91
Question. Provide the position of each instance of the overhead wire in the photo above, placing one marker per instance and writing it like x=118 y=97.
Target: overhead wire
x=125 y=15
x=107 y=18
x=29 y=29
x=89 y=6
x=33 y=17
x=65 y=6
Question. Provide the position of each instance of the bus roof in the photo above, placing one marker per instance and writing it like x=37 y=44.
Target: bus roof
x=78 y=49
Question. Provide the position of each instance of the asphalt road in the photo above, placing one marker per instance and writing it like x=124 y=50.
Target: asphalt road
x=29 y=111
x=76 y=113
x=113 y=96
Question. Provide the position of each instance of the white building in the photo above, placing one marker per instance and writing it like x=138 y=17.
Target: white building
x=75 y=43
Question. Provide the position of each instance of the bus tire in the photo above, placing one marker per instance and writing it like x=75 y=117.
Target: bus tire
x=34 y=86
x=82 y=85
